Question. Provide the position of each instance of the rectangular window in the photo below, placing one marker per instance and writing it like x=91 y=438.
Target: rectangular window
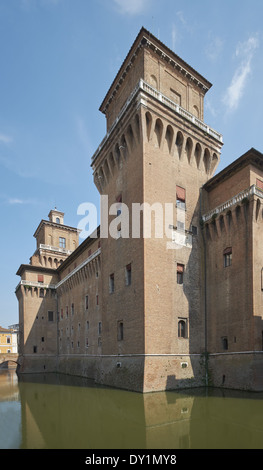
x=40 y=278
x=180 y=197
x=111 y=283
x=128 y=274
x=87 y=342
x=72 y=309
x=99 y=328
x=194 y=230
x=180 y=226
x=120 y=331
x=62 y=242
x=34 y=349
x=97 y=299
x=227 y=257
x=87 y=302
x=8 y=340
x=180 y=273
x=67 y=311
x=51 y=315
x=61 y=313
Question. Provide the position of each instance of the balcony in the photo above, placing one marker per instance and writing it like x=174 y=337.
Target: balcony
x=148 y=89
x=253 y=190
x=55 y=249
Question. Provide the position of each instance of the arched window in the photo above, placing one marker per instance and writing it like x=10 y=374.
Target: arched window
x=182 y=329
x=57 y=220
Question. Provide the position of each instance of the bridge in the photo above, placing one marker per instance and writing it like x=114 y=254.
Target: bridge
x=8 y=360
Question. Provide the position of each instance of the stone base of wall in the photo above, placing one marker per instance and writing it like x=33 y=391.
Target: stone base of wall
x=36 y=364
x=173 y=372
x=243 y=371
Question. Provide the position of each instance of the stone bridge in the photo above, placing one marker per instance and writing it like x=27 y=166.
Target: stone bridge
x=8 y=360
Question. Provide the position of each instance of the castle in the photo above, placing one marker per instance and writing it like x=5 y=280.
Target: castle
x=168 y=302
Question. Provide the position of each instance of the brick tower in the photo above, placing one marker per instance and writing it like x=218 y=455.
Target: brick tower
x=158 y=152
x=36 y=293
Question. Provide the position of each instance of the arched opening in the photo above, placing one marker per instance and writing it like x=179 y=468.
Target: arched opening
x=182 y=329
x=158 y=130
x=188 y=149
x=148 y=119
x=153 y=81
x=179 y=143
x=207 y=161
x=198 y=152
x=130 y=135
x=169 y=137
x=196 y=112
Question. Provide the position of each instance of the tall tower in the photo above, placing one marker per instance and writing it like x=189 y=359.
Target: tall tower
x=36 y=293
x=158 y=152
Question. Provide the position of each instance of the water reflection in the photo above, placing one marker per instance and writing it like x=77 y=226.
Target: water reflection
x=57 y=411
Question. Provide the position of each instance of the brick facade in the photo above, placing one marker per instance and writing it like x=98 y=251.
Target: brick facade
x=164 y=302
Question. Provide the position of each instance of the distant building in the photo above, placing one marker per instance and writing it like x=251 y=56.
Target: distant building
x=172 y=304
x=8 y=340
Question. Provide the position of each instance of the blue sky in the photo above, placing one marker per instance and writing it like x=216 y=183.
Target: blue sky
x=58 y=59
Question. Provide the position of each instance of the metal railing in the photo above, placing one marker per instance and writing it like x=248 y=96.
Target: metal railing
x=144 y=86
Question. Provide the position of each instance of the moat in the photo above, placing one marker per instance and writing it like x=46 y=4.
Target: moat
x=60 y=412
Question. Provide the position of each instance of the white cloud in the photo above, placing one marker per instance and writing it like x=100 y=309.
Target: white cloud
x=15 y=200
x=214 y=48
x=132 y=7
x=5 y=139
x=245 y=51
x=174 y=36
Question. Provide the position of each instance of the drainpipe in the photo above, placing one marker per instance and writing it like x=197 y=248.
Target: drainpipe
x=205 y=290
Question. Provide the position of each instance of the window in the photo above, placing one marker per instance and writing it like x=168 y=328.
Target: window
x=180 y=273
x=99 y=328
x=87 y=302
x=8 y=340
x=34 y=349
x=61 y=313
x=40 y=278
x=180 y=226
x=128 y=274
x=224 y=343
x=182 y=329
x=62 y=242
x=43 y=339
x=194 y=230
x=87 y=342
x=87 y=326
x=57 y=220
x=51 y=315
x=97 y=299
x=120 y=331
x=180 y=197
x=227 y=257
x=72 y=309
x=41 y=293
x=111 y=283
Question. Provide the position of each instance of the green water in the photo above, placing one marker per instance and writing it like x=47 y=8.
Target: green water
x=61 y=412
